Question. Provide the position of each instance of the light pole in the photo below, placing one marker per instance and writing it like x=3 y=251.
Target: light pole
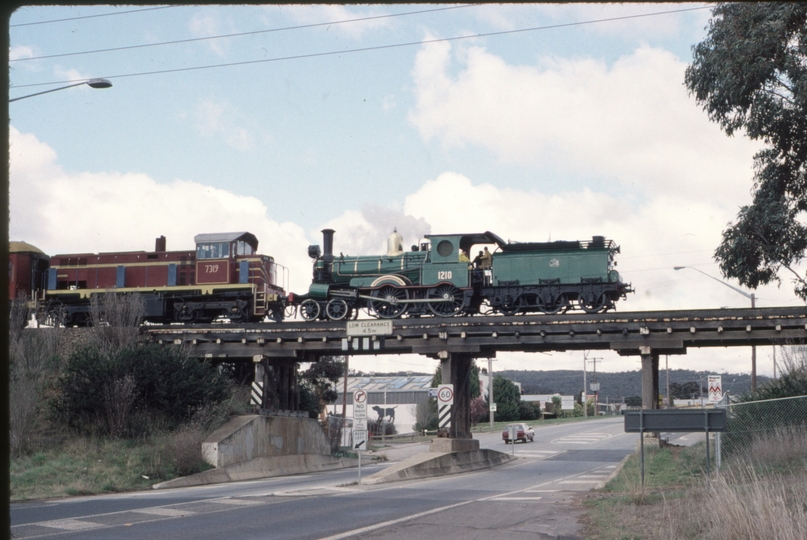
x=753 y=305
x=92 y=83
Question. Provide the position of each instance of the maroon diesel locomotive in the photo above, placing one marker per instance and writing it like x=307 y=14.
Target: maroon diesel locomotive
x=27 y=268
x=224 y=277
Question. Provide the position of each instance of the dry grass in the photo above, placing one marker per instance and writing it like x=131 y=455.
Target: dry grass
x=761 y=498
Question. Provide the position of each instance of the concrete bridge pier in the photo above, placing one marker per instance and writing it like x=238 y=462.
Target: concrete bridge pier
x=281 y=395
x=650 y=391
x=455 y=368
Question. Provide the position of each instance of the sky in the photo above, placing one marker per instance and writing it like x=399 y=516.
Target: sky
x=534 y=121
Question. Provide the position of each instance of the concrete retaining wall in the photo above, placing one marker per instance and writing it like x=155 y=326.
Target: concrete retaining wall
x=430 y=464
x=245 y=438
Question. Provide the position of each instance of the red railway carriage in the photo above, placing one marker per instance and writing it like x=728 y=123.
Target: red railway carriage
x=223 y=277
x=27 y=268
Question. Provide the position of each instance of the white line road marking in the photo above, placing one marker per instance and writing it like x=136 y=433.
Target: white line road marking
x=582 y=438
x=160 y=511
x=70 y=524
x=517 y=499
x=377 y=526
x=243 y=502
x=503 y=496
x=578 y=482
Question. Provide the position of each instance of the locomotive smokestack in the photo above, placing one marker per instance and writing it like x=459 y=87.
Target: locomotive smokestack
x=160 y=244
x=327 y=245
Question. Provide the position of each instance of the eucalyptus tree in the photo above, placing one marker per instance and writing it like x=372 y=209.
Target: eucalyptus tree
x=750 y=75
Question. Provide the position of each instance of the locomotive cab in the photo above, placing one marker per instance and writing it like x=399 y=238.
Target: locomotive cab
x=445 y=263
x=217 y=255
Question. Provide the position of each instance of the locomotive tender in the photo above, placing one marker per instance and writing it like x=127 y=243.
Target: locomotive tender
x=224 y=277
x=524 y=277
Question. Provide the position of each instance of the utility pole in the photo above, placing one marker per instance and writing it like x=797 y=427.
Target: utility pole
x=585 y=388
x=344 y=395
x=490 y=392
x=774 y=361
x=596 y=386
x=667 y=366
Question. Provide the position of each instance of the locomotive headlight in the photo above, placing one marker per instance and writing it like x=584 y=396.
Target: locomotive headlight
x=314 y=251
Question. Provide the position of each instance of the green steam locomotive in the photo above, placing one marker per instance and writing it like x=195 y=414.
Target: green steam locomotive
x=438 y=278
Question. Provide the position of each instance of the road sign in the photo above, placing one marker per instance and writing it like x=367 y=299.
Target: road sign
x=369 y=328
x=567 y=403
x=445 y=394
x=492 y=407
x=445 y=399
x=359 y=424
x=675 y=421
x=359 y=404
x=359 y=440
x=715 y=388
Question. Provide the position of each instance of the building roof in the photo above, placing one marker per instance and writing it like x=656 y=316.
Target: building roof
x=389 y=384
x=248 y=237
x=23 y=247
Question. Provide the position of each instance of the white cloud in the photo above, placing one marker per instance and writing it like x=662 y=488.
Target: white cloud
x=20 y=51
x=220 y=118
x=665 y=231
x=616 y=20
x=366 y=232
x=108 y=211
x=388 y=102
x=306 y=15
x=630 y=124
x=202 y=26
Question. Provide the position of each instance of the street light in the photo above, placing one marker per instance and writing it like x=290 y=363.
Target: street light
x=753 y=305
x=92 y=83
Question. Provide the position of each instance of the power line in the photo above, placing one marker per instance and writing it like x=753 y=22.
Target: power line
x=92 y=16
x=240 y=34
x=374 y=48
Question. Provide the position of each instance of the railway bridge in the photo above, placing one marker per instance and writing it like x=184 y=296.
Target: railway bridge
x=276 y=348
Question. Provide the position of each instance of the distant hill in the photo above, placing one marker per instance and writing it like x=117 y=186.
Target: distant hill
x=614 y=387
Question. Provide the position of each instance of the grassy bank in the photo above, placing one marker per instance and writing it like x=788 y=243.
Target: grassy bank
x=90 y=466
x=758 y=495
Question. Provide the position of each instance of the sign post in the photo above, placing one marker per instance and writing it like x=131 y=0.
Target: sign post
x=675 y=421
x=359 y=424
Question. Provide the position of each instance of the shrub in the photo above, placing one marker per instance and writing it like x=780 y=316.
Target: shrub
x=479 y=410
x=128 y=392
x=528 y=411
x=375 y=427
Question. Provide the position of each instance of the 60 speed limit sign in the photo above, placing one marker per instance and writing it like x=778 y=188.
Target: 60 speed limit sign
x=445 y=394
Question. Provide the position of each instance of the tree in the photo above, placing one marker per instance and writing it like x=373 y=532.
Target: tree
x=750 y=74
x=791 y=383
x=126 y=393
x=32 y=361
x=507 y=398
x=479 y=410
x=319 y=383
x=115 y=320
x=473 y=380
x=528 y=411
x=687 y=390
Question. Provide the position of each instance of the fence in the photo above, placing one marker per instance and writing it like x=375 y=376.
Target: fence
x=340 y=432
x=755 y=422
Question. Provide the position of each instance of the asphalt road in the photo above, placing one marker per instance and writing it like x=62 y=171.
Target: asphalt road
x=528 y=497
